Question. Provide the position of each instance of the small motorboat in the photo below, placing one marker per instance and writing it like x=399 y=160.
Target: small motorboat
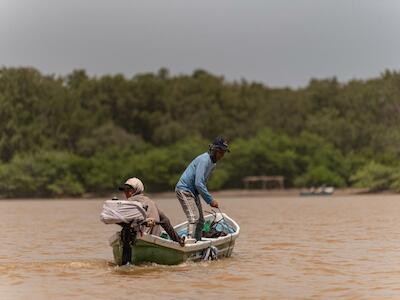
x=132 y=247
x=321 y=191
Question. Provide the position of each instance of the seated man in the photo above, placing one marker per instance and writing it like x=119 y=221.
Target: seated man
x=133 y=189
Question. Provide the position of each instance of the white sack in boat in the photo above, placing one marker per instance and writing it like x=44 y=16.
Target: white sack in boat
x=122 y=211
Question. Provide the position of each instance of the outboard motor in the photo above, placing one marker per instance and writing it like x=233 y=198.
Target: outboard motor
x=128 y=214
x=128 y=238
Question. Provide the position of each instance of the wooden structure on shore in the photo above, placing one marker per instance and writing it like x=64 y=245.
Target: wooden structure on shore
x=249 y=180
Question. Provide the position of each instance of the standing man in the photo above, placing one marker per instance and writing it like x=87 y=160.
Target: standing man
x=193 y=183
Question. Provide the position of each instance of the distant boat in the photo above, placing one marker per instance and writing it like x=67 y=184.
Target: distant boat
x=148 y=248
x=321 y=191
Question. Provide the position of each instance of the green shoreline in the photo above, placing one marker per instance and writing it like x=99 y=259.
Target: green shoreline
x=80 y=135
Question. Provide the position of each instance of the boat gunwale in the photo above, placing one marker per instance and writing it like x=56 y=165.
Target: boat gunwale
x=199 y=245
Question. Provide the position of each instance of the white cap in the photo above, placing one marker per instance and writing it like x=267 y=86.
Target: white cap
x=135 y=183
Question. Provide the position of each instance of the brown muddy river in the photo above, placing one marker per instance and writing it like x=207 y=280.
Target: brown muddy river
x=344 y=247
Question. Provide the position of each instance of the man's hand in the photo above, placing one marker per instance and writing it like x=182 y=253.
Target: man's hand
x=150 y=222
x=214 y=203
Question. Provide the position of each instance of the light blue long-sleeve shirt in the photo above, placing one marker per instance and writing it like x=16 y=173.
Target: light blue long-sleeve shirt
x=194 y=178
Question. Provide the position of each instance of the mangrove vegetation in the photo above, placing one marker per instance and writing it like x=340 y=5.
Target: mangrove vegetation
x=77 y=134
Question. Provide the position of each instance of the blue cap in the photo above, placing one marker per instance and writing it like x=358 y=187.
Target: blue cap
x=221 y=143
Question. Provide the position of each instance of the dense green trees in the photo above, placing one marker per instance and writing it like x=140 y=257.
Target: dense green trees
x=75 y=134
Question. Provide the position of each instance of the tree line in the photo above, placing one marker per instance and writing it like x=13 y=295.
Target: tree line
x=77 y=134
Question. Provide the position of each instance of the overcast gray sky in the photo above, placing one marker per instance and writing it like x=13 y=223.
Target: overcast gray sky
x=277 y=42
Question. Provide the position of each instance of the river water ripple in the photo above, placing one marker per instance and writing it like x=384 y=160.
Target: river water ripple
x=344 y=247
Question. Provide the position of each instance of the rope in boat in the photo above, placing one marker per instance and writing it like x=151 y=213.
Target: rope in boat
x=226 y=224
x=223 y=224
